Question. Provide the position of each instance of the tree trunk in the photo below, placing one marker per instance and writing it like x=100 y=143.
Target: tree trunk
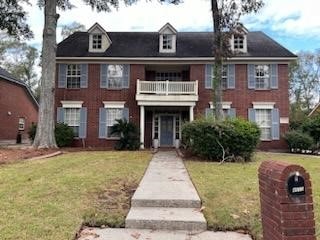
x=45 y=130
x=217 y=51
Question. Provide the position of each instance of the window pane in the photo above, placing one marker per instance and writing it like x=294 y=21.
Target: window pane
x=263 y=119
x=115 y=76
x=97 y=41
x=262 y=76
x=72 y=119
x=112 y=115
x=73 y=76
x=167 y=41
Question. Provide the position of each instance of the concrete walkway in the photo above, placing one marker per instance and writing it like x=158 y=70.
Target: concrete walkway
x=165 y=206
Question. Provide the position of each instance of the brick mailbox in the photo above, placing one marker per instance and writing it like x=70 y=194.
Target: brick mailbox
x=286 y=202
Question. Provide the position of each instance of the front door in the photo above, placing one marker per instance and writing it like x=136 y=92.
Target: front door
x=166 y=128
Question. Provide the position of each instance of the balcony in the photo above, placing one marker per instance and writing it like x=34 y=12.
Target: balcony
x=177 y=93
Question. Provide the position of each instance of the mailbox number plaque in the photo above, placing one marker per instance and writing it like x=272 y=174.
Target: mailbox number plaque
x=296 y=186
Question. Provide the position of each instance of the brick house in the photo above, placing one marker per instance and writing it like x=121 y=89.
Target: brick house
x=158 y=80
x=18 y=108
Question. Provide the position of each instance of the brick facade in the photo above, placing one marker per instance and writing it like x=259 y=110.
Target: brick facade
x=241 y=98
x=15 y=103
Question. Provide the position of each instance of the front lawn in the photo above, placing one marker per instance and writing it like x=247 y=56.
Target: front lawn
x=230 y=191
x=47 y=199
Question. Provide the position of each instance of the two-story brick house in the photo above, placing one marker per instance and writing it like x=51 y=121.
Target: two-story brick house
x=158 y=80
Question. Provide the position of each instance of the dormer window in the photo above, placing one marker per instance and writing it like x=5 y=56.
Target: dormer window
x=167 y=41
x=238 y=40
x=99 y=40
x=96 y=41
x=238 y=43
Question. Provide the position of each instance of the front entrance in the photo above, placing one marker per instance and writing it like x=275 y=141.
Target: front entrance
x=166 y=131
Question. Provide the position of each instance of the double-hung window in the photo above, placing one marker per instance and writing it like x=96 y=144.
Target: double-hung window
x=264 y=121
x=262 y=75
x=21 y=124
x=115 y=76
x=74 y=115
x=97 y=41
x=72 y=119
x=224 y=77
x=112 y=114
x=73 y=75
x=108 y=116
x=167 y=41
x=267 y=117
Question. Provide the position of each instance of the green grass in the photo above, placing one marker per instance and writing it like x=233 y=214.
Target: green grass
x=47 y=199
x=230 y=191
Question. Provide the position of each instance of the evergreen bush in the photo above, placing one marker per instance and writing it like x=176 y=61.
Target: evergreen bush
x=208 y=138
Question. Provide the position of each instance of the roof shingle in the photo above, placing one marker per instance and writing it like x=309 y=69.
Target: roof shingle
x=146 y=44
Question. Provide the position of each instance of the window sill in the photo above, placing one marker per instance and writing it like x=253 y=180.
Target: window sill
x=266 y=140
x=113 y=138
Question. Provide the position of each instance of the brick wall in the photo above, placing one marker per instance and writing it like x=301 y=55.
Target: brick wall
x=93 y=98
x=285 y=216
x=242 y=97
x=15 y=99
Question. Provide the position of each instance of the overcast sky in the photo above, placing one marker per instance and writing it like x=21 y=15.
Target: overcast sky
x=293 y=23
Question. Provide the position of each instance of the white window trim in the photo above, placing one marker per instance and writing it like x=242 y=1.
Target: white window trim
x=109 y=104
x=225 y=105
x=72 y=104
x=245 y=46
x=174 y=43
x=263 y=105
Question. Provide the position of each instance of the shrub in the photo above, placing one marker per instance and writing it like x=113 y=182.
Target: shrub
x=206 y=137
x=129 y=135
x=63 y=134
x=298 y=141
x=312 y=127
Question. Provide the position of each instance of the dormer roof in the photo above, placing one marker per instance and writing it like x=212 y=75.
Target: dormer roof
x=166 y=27
x=98 y=27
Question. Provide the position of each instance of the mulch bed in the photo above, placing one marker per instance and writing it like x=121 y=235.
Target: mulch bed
x=14 y=155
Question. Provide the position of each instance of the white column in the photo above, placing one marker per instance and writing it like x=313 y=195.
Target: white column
x=142 y=127
x=191 y=116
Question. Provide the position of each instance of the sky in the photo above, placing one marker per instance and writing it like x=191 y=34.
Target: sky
x=293 y=23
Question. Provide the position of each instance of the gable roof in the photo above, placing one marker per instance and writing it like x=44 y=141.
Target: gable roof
x=189 y=45
x=168 y=25
x=8 y=77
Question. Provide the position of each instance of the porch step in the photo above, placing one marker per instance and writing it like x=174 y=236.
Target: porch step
x=188 y=219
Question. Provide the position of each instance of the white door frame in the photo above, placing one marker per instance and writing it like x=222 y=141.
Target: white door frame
x=174 y=115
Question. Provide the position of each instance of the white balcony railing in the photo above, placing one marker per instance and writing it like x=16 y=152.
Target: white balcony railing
x=167 y=87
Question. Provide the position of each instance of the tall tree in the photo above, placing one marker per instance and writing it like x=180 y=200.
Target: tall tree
x=304 y=78
x=19 y=59
x=69 y=29
x=226 y=16
x=13 y=18
x=45 y=129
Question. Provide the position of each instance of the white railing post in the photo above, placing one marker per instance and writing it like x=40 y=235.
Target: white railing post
x=167 y=87
x=138 y=86
x=196 y=88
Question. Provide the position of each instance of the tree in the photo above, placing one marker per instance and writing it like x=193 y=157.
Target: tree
x=304 y=75
x=45 y=128
x=13 y=18
x=69 y=29
x=19 y=59
x=226 y=16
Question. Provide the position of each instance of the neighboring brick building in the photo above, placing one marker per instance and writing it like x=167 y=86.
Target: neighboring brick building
x=18 y=108
x=158 y=80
